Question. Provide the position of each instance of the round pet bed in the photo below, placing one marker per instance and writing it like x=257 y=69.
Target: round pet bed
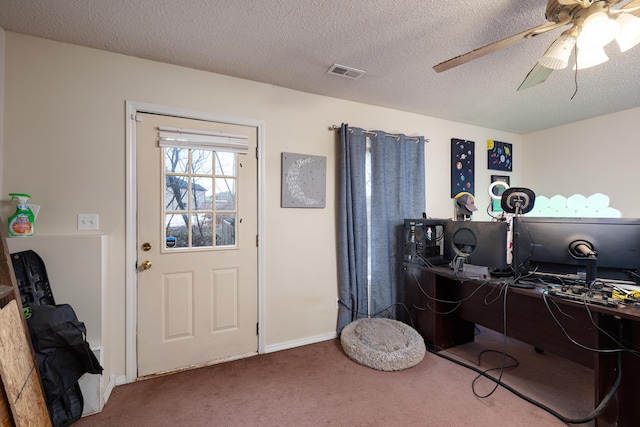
x=383 y=344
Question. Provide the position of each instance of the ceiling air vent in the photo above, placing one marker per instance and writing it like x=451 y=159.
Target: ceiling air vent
x=343 y=71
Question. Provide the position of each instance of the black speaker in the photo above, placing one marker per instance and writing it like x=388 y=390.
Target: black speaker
x=423 y=241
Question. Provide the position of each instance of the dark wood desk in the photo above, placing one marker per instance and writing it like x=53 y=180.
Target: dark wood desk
x=444 y=325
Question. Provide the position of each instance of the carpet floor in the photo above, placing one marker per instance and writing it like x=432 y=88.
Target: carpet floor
x=317 y=385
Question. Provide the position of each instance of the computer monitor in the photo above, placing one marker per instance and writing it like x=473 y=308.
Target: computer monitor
x=606 y=248
x=481 y=243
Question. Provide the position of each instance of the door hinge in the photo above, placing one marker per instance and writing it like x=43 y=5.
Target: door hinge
x=257 y=328
x=257 y=240
x=257 y=157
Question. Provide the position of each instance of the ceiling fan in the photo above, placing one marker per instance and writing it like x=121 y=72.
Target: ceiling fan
x=594 y=23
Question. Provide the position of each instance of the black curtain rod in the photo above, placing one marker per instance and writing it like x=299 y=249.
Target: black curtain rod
x=393 y=135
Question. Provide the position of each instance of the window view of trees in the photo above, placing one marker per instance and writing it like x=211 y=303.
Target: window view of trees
x=200 y=198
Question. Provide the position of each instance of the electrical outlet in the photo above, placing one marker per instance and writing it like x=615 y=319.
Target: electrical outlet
x=87 y=222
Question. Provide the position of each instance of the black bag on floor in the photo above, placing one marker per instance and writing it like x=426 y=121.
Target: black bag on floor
x=63 y=356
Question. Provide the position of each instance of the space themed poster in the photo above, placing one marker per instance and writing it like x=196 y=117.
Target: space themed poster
x=462 y=166
x=499 y=155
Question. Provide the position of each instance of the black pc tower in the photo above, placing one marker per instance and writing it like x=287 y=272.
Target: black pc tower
x=424 y=241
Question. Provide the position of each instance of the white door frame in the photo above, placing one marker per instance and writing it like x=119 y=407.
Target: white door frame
x=131 y=278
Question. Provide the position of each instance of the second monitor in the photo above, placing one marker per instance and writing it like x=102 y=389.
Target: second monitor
x=569 y=245
x=482 y=243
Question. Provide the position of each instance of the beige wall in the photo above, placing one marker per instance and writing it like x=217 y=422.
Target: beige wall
x=598 y=155
x=65 y=145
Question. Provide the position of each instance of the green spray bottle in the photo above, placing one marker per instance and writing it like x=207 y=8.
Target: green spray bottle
x=21 y=223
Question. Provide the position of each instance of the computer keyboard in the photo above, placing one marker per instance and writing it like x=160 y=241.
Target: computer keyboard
x=590 y=297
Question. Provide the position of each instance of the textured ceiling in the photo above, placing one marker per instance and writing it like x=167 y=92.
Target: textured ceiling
x=292 y=43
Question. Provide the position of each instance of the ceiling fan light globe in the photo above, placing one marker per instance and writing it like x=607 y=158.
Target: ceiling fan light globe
x=557 y=56
x=597 y=31
x=629 y=34
x=587 y=58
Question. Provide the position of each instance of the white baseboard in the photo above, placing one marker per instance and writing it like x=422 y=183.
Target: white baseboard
x=110 y=386
x=298 y=343
x=121 y=380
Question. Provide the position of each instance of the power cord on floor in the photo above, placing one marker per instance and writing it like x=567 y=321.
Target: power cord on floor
x=593 y=415
x=504 y=349
x=502 y=368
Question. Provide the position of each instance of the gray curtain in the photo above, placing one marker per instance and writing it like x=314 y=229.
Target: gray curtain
x=397 y=192
x=352 y=227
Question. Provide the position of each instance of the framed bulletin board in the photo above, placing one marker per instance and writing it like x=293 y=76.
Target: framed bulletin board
x=303 y=181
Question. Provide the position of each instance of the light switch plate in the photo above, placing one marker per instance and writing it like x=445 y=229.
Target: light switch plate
x=87 y=222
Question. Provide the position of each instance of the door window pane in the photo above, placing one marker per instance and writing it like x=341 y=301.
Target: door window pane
x=176 y=160
x=202 y=162
x=225 y=230
x=201 y=194
x=226 y=164
x=176 y=232
x=176 y=193
x=202 y=230
x=225 y=194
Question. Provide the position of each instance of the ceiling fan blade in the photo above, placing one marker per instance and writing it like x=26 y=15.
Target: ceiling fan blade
x=537 y=75
x=633 y=7
x=631 y=4
x=494 y=47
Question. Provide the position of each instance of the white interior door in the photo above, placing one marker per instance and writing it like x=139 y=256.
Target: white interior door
x=196 y=249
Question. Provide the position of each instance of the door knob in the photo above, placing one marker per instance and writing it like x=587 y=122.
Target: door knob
x=145 y=265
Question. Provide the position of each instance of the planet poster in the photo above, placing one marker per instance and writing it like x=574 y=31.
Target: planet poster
x=499 y=155
x=462 y=166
